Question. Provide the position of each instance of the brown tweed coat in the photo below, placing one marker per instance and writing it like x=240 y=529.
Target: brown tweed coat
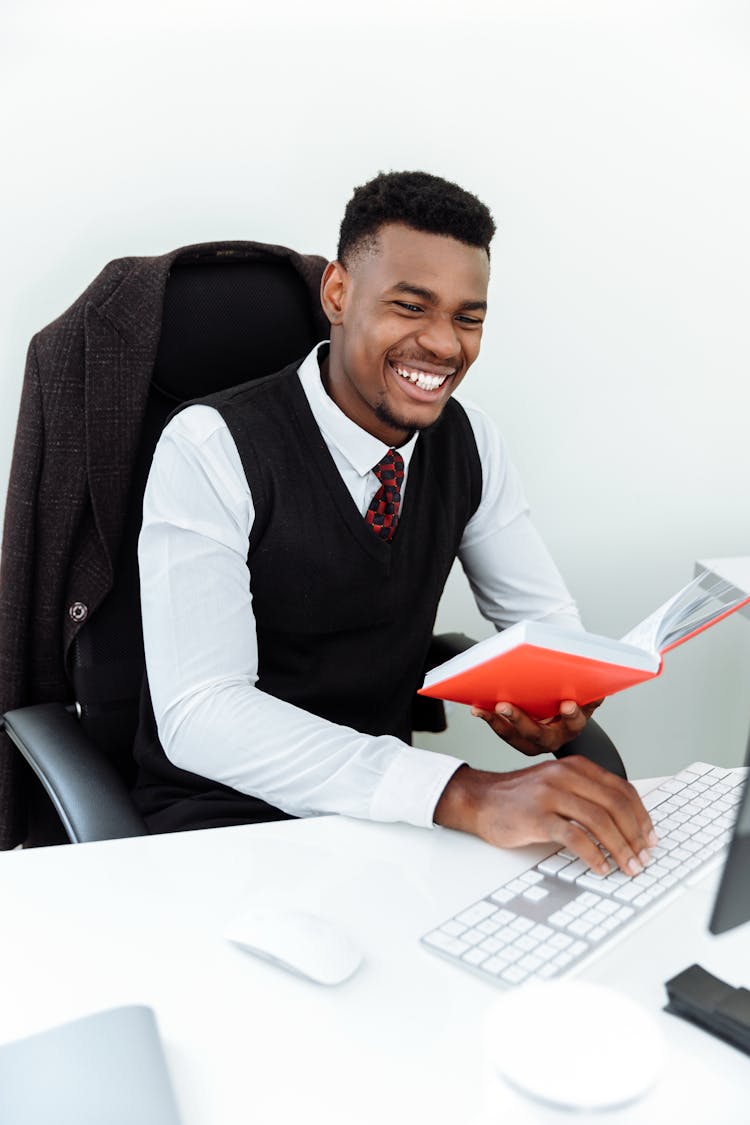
x=84 y=395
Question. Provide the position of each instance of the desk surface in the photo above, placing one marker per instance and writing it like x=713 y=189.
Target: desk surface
x=97 y=925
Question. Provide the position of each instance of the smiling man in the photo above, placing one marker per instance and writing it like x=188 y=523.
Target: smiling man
x=406 y=325
x=298 y=532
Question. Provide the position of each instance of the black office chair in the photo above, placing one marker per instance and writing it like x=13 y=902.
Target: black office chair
x=224 y=320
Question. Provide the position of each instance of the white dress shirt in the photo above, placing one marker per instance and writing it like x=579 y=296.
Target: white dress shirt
x=199 y=627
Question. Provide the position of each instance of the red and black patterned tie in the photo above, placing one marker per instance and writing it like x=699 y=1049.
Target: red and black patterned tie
x=382 y=515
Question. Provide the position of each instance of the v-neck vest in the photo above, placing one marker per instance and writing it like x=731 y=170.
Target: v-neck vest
x=344 y=619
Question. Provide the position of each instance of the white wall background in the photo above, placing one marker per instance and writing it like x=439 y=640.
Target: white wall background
x=611 y=141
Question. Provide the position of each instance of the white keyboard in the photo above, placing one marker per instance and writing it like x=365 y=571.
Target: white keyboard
x=543 y=923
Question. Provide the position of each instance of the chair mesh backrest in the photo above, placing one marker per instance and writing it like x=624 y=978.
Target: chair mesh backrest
x=224 y=322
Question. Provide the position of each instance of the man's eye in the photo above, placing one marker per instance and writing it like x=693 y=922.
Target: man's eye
x=470 y=321
x=409 y=308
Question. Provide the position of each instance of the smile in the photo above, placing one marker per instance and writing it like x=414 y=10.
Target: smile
x=422 y=379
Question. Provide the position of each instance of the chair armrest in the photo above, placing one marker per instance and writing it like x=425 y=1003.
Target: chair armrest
x=596 y=745
x=428 y=713
x=88 y=794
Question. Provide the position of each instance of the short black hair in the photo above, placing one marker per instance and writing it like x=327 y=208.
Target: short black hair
x=418 y=200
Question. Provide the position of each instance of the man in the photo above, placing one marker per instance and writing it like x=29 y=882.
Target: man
x=289 y=588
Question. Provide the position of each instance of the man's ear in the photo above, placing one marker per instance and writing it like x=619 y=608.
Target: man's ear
x=334 y=286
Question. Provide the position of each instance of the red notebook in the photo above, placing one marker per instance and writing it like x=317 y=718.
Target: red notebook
x=536 y=666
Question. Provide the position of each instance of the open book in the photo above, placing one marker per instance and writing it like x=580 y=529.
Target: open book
x=536 y=666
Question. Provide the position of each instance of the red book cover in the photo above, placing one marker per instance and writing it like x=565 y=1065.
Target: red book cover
x=537 y=679
x=536 y=666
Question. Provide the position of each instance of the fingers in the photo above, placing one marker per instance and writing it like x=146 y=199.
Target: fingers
x=531 y=737
x=603 y=841
x=610 y=810
x=572 y=802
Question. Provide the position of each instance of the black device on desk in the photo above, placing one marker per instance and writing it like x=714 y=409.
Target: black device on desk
x=732 y=905
x=697 y=995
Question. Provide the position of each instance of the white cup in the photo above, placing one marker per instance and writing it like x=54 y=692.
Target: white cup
x=558 y=1048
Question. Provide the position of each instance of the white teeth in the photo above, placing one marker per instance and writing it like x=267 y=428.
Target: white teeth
x=424 y=381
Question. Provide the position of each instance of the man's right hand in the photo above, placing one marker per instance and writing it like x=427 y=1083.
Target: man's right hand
x=562 y=802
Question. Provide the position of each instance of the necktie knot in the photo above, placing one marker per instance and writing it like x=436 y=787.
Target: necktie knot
x=382 y=514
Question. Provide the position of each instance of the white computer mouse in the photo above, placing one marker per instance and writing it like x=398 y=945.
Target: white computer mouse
x=575 y=1045
x=305 y=944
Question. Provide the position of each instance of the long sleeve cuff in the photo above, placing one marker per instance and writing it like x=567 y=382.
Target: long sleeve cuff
x=412 y=786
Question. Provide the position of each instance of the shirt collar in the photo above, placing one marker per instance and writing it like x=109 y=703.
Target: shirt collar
x=361 y=449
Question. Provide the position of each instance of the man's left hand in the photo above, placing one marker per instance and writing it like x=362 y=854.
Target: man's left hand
x=532 y=737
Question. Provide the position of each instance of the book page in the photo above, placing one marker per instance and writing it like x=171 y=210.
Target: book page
x=691 y=609
x=557 y=638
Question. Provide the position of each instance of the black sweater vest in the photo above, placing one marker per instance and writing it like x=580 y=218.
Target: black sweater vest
x=344 y=619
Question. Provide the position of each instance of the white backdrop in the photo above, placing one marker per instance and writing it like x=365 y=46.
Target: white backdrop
x=611 y=141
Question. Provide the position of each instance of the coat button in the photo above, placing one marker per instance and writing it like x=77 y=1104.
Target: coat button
x=78 y=612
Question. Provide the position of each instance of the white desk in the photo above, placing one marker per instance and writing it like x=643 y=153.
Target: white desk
x=95 y=925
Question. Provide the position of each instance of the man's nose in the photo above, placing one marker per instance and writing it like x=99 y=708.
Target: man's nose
x=439 y=337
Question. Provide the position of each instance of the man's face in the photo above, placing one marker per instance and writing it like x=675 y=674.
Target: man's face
x=406 y=326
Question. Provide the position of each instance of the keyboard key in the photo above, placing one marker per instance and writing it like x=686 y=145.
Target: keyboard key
x=541 y=933
x=545 y=952
x=510 y=954
x=473 y=937
x=591 y=882
x=494 y=965
x=589 y=899
x=580 y=926
x=474 y=956
x=553 y=863
x=652 y=799
x=476 y=913
x=570 y=873
x=560 y=918
x=506 y=934
x=627 y=893
x=608 y=907
x=674 y=785
x=521 y=925
x=535 y=894
x=447 y=943
x=595 y=916
x=503 y=917
x=531 y=877
x=514 y=975
x=576 y=907
x=502 y=895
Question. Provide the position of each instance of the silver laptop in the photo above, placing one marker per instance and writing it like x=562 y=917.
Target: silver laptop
x=105 y=1069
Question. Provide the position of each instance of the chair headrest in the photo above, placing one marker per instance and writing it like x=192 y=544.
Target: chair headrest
x=225 y=322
